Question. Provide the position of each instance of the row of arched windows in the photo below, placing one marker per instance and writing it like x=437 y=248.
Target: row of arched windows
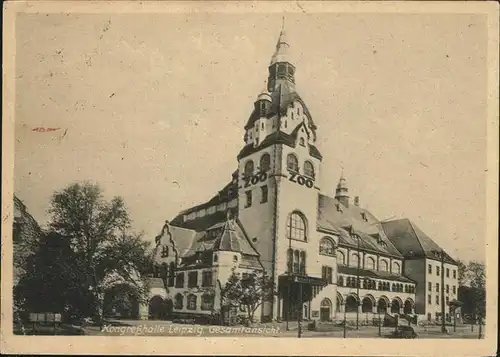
x=369 y=263
x=264 y=165
x=207 y=302
x=371 y=284
x=292 y=164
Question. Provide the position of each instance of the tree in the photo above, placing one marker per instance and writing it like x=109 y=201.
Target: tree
x=251 y=291
x=99 y=233
x=472 y=292
x=462 y=272
x=477 y=277
x=53 y=281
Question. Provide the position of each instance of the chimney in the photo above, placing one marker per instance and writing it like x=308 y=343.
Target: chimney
x=356 y=201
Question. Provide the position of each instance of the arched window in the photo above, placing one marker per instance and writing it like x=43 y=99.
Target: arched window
x=249 y=168
x=351 y=304
x=354 y=260
x=326 y=246
x=309 y=169
x=340 y=258
x=340 y=280
x=383 y=266
x=396 y=268
x=370 y=263
x=302 y=142
x=207 y=302
x=191 y=302
x=292 y=163
x=178 y=302
x=265 y=162
x=296 y=227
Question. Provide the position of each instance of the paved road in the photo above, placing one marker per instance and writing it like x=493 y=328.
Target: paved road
x=166 y=328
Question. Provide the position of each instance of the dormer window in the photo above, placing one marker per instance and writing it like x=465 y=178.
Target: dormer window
x=249 y=168
x=262 y=108
x=302 y=142
x=292 y=164
x=363 y=216
x=265 y=162
x=309 y=169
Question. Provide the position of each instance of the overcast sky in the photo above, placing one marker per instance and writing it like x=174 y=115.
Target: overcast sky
x=153 y=107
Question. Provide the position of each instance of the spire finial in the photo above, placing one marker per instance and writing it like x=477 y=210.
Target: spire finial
x=283 y=23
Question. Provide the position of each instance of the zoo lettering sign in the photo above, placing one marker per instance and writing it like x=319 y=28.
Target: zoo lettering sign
x=253 y=180
x=301 y=180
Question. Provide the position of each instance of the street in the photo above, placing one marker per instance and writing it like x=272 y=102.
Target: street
x=167 y=328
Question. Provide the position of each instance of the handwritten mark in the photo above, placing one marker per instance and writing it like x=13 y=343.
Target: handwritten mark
x=176 y=183
x=421 y=163
x=112 y=95
x=44 y=130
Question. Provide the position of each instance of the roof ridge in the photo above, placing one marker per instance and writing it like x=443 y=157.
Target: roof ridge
x=416 y=235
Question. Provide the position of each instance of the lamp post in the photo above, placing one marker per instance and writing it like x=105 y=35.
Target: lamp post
x=343 y=303
x=299 y=317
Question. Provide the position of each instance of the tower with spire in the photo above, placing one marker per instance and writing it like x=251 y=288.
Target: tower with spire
x=279 y=168
x=342 y=192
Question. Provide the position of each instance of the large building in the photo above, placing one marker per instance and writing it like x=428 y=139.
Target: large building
x=273 y=215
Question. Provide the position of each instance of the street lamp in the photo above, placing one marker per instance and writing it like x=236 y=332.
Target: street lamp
x=343 y=303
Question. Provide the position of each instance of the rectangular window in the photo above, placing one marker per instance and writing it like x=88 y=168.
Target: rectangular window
x=447 y=300
x=327 y=273
x=429 y=269
x=454 y=274
x=248 y=195
x=437 y=287
x=447 y=289
x=164 y=251
x=437 y=299
x=256 y=141
x=447 y=272
x=454 y=289
x=430 y=286
x=264 y=194
x=429 y=316
x=429 y=299
x=207 y=279
x=437 y=271
x=179 y=280
x=192 y=279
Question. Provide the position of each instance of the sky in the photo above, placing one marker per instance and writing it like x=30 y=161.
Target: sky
x=152 y=108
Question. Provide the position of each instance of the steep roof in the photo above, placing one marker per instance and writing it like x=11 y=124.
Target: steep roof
x=334 y=217
x=278 y=137
x=181 y=238
x=228 y=236
x=411 y=241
